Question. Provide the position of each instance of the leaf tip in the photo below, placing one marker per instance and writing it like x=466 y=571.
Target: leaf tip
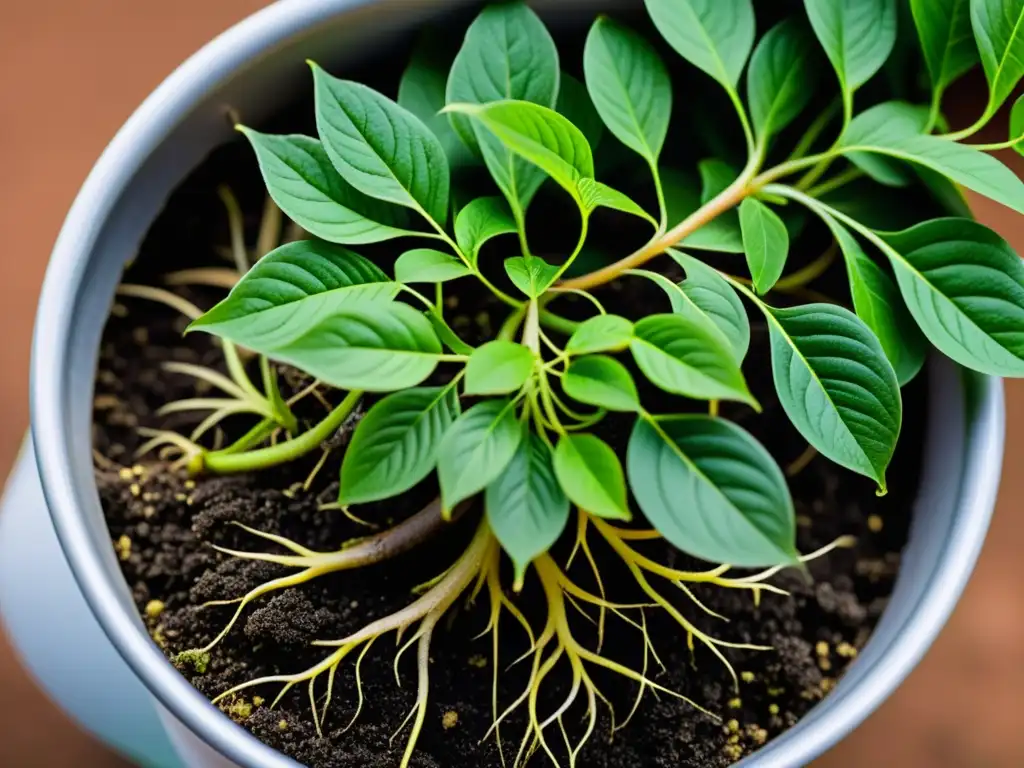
x=882 y=490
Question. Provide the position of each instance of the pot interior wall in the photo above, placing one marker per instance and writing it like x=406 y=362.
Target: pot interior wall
x=258 y=77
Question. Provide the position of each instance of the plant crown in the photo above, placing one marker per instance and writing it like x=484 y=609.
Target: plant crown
x=514 y=420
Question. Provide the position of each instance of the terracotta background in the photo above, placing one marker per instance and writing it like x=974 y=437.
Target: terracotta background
x=71 y=71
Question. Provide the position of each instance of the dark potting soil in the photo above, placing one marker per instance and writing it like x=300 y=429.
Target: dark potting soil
x=164 y=525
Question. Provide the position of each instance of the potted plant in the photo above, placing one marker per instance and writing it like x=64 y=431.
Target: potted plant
x=508 y=360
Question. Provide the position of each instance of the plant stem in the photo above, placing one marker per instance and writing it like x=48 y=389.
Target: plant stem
x=558 y=323
x=225 y=463
x=815 y=130
x=838 y=181
x=659 y=190
x=584 y=231
x=511 y=324
x=253 y=437
x=236 y=227
x=728 y=199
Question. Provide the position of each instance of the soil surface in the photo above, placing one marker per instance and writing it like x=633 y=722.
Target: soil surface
x=164 y=527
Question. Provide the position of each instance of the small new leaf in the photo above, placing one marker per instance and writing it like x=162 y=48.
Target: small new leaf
x=395 y=445
x=476 y=450
x=526 y=507
x=302 y=181
x=380 y=148
x=712 y=491
x=498 y=368
x=629 y=86
x=687 y=358
x=604 y=333
x=591 y=476
x=601 y=381
x=837 y=386
x=713 y=35
x=293 y=288
x=766 y=241
x=530 y=274
x=594 y=194
x=482 y=220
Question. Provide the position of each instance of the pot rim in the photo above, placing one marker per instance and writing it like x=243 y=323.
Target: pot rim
x=144 y=131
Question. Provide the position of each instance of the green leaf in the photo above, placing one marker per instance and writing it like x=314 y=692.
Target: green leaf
x=483 y=219
x=540 y=136
x=965 y=287
x=782 y=77
x=301 y=180
x=711 y=294
x=713 y=35
x=372 y=347
x=999 y=31
x=425 y=265
x=947 y=40
x=477 y=449
x=879 y=304
x=447 y=336
x=766 y=241
x=1017 y=125
x=601 y=381
x=594 y=194
x=531 y=275
x=837 y=386
x=688 y=358
x=575 y=105
x=683 y=305
x=591 y=476
x=630 y=87
x=526 y=507
x=713 y=491
x=422 y=91
x=604 y=333
x=498 y=368
x=963 y=164
x=508 y=54
x=715 y=177
x=857 y=35
x=682 y=198
x=395 y=445
x=893 y=118
x=380 y=148
x=290 y=290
